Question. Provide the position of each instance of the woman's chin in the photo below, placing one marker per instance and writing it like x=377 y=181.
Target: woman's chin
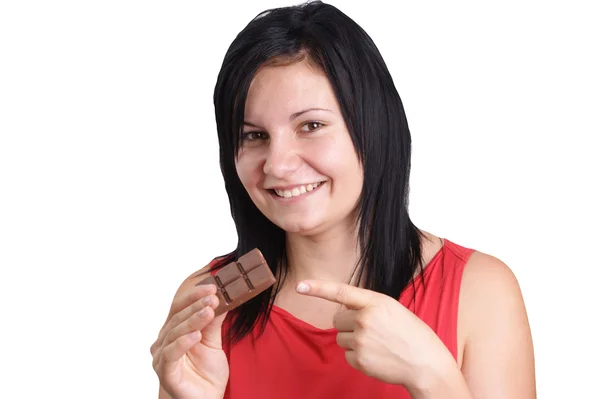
x=300 y=227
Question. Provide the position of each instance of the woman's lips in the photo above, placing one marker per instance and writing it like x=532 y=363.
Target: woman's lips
x=299 y=195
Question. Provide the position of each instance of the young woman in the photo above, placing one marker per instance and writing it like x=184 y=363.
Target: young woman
x=315 y=153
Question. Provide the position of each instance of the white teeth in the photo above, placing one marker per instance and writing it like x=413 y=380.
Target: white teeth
x=296 y=191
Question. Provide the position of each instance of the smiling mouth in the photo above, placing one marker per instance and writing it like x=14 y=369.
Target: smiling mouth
x=296 y=191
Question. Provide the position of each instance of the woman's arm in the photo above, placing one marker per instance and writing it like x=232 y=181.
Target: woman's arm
x=498 y=359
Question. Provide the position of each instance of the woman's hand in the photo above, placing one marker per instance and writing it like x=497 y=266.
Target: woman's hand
x=382 y=338
x=188 y=355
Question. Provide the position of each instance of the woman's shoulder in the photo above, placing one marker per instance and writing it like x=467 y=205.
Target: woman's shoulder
x=486 y=277
x=490 y=299
x=493 y=326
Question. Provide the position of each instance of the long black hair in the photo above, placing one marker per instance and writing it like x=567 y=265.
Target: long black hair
x=374 y=115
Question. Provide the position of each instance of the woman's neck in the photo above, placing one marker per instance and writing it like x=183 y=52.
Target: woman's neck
x=331 y=256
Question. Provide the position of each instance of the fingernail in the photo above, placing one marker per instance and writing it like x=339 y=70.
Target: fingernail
x=202 y=312
x=206 y=301
x=302 y=288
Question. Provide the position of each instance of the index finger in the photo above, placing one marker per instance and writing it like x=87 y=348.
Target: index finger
x=188 y=297
x=348 y=295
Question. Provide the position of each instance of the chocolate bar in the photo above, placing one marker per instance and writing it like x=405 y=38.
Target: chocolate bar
x=240 y=281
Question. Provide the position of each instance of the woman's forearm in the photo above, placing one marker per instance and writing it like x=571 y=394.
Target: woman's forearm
x=448 y=384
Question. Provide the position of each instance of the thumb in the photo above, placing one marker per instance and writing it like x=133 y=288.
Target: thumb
x=211 y=334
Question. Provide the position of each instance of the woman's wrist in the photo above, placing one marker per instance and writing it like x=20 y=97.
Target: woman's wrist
x=442 y=379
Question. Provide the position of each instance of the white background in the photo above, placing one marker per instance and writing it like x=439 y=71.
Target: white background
x=111 y=192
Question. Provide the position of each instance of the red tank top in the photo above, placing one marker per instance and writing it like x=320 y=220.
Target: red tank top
x=295 y=360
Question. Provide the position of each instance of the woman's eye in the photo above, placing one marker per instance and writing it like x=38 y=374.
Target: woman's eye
x=311 y=126
x=253 y=136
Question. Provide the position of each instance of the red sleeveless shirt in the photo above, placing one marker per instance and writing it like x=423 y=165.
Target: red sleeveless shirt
x=295 y=360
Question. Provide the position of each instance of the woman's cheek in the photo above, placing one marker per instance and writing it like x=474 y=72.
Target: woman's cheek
x=327 y=154
x=241 y=166
x=248 y=168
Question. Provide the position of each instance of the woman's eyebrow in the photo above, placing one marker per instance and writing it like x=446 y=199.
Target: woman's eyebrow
x=297 y=114
x=293 y=116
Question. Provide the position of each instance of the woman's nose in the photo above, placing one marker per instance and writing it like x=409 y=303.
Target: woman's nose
x=282 y=159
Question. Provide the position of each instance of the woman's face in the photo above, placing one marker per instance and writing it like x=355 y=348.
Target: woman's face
x=297 y=161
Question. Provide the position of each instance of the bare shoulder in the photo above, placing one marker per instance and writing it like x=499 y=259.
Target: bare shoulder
x=489 y=289
x=488 y=278
x=497 y=349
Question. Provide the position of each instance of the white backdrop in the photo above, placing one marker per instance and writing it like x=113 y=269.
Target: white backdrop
x=111 y=192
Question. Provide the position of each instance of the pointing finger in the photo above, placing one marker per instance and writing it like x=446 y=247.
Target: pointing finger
x=352 y=297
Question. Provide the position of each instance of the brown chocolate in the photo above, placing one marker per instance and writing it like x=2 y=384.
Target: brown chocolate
x=241 y=281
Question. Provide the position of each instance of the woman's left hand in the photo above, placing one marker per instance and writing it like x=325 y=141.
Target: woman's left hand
x=382 y=338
